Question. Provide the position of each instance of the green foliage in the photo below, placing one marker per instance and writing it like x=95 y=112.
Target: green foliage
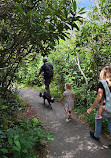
x=90 y=119
x=27 y=31
x=9 y=104
x=24 y=140
x=102 y=11
x=26 y=28
x=19 y=137
x=74 y=5
x=28 y=70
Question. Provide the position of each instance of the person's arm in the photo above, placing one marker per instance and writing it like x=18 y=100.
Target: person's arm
x=39 y=73
x=97 y=100
x=74 y=98
x=62 y=99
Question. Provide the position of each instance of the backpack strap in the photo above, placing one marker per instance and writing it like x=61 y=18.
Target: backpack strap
x=108 y=96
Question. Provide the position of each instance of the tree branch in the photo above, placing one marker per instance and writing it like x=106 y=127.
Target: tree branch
x=78 y=63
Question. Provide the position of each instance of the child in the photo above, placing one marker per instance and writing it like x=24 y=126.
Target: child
x=101 y=109
x=69 y=100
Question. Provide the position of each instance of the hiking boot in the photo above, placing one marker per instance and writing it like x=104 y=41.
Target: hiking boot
x=92 y=136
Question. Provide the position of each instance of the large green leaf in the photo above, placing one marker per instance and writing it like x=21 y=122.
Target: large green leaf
x=4 y=150
x=74 y=5
x=10 y=141
x=65 y=12
x=15 y=148
x=16 y=140
x=81 y=9
x=74 y=25
x=9 y=45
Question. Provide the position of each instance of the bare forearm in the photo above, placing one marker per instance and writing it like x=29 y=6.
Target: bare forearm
x=74 y=98
x=61 y=98
x=97 y=100
x=38 y=74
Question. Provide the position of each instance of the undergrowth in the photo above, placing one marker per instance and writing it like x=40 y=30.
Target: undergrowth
x=19 y=137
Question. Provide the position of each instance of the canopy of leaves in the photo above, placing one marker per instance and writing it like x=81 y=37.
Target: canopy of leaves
x=32 y=26
x=79 y=59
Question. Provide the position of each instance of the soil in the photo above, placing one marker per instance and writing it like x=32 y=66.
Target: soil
x=29 y=112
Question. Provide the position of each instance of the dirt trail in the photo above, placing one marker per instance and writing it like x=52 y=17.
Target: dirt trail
x=71 y=139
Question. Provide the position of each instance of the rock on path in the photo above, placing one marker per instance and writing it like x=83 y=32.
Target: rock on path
x=71 y=139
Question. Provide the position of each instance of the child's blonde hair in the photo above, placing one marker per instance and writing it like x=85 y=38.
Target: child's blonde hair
x=105 y=73
x=68 y=86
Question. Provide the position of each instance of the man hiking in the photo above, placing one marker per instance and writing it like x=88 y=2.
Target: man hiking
x=47 y=68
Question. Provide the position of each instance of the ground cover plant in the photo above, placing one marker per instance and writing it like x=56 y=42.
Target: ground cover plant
x=21 y=134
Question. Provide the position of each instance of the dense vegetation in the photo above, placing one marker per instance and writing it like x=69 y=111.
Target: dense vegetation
x=78 y=60
x=77 y=47
x=27 y=28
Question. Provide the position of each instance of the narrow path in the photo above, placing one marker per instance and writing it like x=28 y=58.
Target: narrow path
x=71 y=139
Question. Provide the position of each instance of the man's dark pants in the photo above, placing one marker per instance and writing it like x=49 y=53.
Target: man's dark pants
x=47 y=82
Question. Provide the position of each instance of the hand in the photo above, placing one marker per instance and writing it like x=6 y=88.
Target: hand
x=89 y=110
x=37 y=75
x=61 y=102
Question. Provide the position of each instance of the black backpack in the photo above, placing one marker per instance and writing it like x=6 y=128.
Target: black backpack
x=48 y=70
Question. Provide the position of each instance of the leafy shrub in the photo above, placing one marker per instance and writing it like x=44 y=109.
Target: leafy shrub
x=24 y=140
x=18 y=137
